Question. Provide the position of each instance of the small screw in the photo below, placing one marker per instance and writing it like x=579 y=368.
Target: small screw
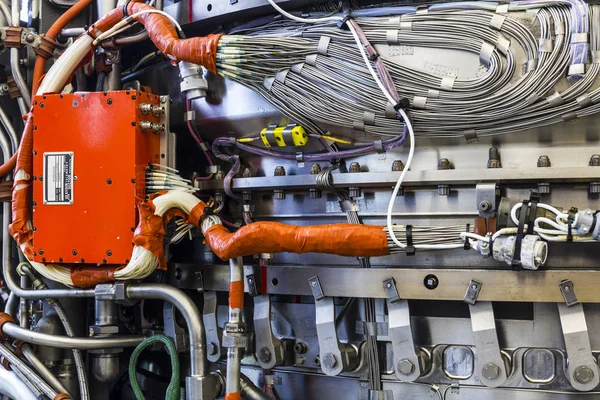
x=42 y=105
x=109 y=181
x=566 y=288
x=74 y=252
x=41 y=252
x=330 y=361
x=108 y=253
x=109 y=101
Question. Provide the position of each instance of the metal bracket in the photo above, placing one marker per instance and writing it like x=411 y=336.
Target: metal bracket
x=472 y=291
x=315 y=287
x=568 y=292
x=178 y=333
x=270 y=351
x=252 y=288
x=209 y=316
x=583 y=371
x=391 y=291
x=489 y=362
x=406 y=360
x=486 y=199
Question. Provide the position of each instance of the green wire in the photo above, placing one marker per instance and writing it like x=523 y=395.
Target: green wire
x=173 y=388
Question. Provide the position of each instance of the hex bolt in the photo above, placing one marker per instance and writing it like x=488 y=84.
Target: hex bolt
x=583 y=375
x=490 y=371
x=212 y=349
x=329 y=361
x=29 y=38
x=595 y=162
x=543 y=162
x=485 y=206
x=279 y=194
x=443 y=164
x=354 y=191
x=494 y=158
x=300 y=348
x=264 y=354
x=315 y=169
x=398 y=166
x=405 y=367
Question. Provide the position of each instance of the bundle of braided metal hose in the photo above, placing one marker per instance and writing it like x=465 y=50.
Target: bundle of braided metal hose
x=315 y=75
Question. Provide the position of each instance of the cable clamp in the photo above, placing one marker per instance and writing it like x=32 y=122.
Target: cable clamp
x=502 y=44
x=555 y=99
x=342 y=24
x=447 y=83
x=410 y=248
x=471 y=136
x=531 y=65
x=485 y=54
x=391 y=291
x=559 y=28
x=569 y=117
x=419 y=102
x=434 y=94
x=502 y=9
x=403 y=103
x=369 y=118
x=497 y=21
x=532 y=98
x=467 y=245
x=391 y=36
x=323 y=45
x=576 y=69
x=311 y=59
x=545 y=45
x=579 y=37
x=378 y=145
x=584 y=100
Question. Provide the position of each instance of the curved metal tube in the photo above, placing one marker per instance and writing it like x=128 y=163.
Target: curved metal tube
x=12 y=305
x=17 y=363
x=127 y=40
x=41 y=369
x=10 y=130
x=65 y=342
x=13 y=387
x=190 y=312
x=14 y=58
x=250 y=391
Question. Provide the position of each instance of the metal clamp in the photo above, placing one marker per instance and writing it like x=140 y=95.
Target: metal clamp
x=389 y=285
x=486 y=199
x=209 y=316
x=489 y=362
x=252 y=288
x=315 y=287
x=406 y=361
x=173 y=330
x=270 y=351
x=583 y=371
x=472 y=291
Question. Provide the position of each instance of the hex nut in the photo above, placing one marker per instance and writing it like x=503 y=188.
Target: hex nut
x=583 y=375
x=264 y=354
x=405 y=367
x=329 y=361
x=490 y=371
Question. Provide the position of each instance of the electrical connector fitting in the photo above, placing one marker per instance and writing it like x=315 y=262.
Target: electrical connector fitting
x=586 y=223
x=193 y=85
x=534 y=251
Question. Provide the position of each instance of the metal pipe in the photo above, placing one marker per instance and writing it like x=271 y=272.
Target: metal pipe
x=14 y=57
x=41 y=369
x=127 y=40
x=65 y=342
x=24 y=306
x=13 y=387
x=10 y=130
x=8 y=273
x=250 y=391
x=72 y=32
x=193 y=319
x=17 y=363
x=12 y=304
x=234 y=354
x=25 y=379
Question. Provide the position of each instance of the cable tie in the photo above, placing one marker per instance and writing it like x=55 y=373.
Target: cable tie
x=531 y=65
x=403 y=103
x=410 y=248
x=434 y=94
x=311 y=59
x=268 y=83
x=406 y=25
x=570 y=229
x=594 y=221
x=297 y=68
x=595 y=56
x=369 y=118
x=559 y=28
x=358 y=126
x=422 y=10
x=534 y=199
x=467 y=245
x=342 y=24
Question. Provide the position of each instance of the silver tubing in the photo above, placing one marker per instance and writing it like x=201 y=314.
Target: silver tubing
x=9 y=278
x=12 y=304
x=250 y=391
x=24 y=306
x=127 y=40
x=14 y=57
x=17 y=363
x=13 y=387
x=84 y=392
x=41 y=369
x=234 y=354
x=65 y=342
x=193 y=319
x=10 y=130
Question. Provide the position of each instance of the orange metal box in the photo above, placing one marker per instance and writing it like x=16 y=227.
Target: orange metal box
x=90 y=157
